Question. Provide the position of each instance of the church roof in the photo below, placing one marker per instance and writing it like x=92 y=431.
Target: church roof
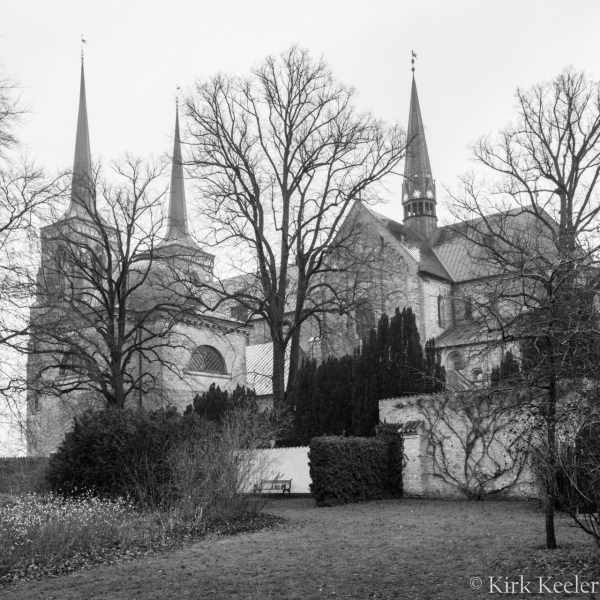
x=457 y=382
x=259 y=368
x=463 y=334
x=455 y=247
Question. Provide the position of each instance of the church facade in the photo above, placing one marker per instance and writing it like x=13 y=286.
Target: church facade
x=434 y=270
x=428 y=268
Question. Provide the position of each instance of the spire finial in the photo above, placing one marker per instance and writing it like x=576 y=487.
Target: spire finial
x=177 y=97
x=82 y=43
x=413 y=62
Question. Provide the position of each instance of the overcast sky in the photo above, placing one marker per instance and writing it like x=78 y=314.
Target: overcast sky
x=472 y=54
x=471 y=57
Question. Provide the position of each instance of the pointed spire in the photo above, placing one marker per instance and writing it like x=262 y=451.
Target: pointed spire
x=418 y=191
x=177 y=229
x=82 y=191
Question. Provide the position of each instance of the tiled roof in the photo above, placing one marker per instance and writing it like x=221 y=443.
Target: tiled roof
x=462 y=334
x=455 y=248
x=259 y=368
x=457 y=382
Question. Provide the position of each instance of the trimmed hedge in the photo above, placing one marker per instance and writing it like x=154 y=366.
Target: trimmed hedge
x=353 y=469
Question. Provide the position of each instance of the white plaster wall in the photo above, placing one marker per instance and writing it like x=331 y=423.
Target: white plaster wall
x=283 y=463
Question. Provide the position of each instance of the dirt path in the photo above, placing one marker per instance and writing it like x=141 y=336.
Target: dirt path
x=409 y=549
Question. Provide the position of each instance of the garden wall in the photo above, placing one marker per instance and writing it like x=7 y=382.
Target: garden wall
x=435 y=455
x=20 y=475
x=282 y=463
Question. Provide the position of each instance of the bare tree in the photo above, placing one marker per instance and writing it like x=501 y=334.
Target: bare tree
x=279 y=160
x=533 y=228
x=106 y=305
x=474 y=443
x=27 y=194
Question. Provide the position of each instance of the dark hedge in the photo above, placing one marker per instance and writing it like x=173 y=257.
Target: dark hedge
x=353 y=469
x=119 y=453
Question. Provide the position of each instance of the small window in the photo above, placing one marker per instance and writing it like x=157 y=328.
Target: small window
x=365 y=321
x=406 y=212
x=476 y=375
x=440 y=307
x=207 y=359
x=468 y=309
x=239 y=313
x=455 y=361
x=420 y=208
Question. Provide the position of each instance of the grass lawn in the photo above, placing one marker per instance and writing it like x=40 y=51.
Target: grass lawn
x=409 y=549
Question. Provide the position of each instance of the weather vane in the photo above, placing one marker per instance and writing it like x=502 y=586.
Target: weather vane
x=413 y=60
x=82 y=43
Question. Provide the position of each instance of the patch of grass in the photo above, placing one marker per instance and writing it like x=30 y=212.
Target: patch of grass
x=408 y=549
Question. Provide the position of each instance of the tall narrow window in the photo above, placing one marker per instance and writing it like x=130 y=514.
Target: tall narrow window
x=468 y=309
x=365 y=321
x=440 y=307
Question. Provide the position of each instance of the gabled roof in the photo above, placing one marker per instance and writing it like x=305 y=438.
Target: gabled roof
x=454 y=244
x=416 y=244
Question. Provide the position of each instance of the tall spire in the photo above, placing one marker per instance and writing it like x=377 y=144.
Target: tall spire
x=418 y=190
x=82 y=188
x=177 y=228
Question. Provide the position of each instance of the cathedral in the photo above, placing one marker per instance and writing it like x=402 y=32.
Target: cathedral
x=428 y=268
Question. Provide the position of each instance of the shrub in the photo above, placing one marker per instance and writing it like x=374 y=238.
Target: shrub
x=347 y=470
x=120 y=453
x=214 y=404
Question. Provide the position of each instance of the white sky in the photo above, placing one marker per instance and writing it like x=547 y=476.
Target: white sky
x=471 y=57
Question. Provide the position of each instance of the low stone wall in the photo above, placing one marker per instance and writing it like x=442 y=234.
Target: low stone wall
x=20 y=475
x=435 y=464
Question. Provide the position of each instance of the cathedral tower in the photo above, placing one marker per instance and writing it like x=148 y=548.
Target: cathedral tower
x=178 y=244
x=418 y=189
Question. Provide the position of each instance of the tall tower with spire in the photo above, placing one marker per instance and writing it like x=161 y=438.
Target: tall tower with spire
x=418 y=189
x=178 y=243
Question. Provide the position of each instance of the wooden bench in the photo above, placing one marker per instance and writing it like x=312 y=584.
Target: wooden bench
x=273 y=485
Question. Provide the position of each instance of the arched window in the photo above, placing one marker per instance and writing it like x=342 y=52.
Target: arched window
x=365 y=321
x=476 y=375
x=455 y=361
x=207 y=359
x=440 y=307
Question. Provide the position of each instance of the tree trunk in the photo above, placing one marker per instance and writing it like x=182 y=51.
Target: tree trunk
x=551 y=440
x=278 y=375
x=294 y=359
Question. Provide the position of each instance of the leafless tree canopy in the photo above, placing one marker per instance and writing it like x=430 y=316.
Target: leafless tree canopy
x=534 y=227
x=279 y=158
x=105 y=301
